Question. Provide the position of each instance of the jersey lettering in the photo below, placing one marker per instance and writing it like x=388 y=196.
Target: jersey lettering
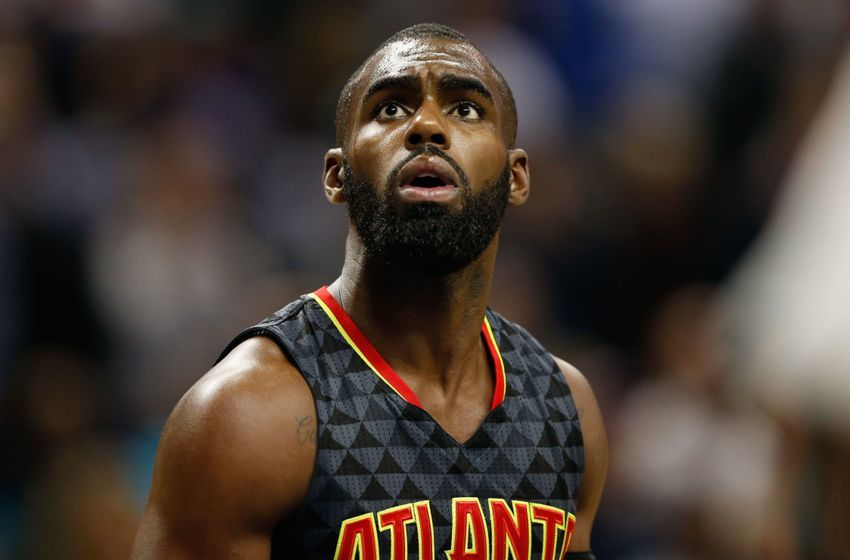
x=358 y=539
x=469 y=532
x=510 y=530
x=507 y=536
x=396 y=520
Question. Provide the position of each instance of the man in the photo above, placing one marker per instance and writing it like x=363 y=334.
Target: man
x=391 y=414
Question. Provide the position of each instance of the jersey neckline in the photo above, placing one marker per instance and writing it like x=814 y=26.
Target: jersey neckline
x=361 y=345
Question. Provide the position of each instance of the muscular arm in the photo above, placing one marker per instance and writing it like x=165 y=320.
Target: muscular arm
x=595 y=455
x=235 y=457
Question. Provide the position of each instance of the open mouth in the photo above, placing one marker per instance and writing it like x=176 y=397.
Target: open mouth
x=428 y=179
x=428 y=182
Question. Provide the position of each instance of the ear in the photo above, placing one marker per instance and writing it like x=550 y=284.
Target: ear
x=332 y=178
x=520 y=176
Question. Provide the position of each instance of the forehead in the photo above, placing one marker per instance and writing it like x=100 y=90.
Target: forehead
x=435 y=55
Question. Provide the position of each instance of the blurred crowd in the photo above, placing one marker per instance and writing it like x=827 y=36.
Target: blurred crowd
x=160 y=190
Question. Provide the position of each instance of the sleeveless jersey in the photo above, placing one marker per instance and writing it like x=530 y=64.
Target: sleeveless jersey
x=390 y=483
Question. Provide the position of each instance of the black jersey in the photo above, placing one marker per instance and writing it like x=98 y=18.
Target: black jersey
x=390 y=483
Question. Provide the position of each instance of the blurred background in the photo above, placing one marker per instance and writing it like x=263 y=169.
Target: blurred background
x=687 y=243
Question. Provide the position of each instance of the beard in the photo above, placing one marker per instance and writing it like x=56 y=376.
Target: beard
x=426 y=237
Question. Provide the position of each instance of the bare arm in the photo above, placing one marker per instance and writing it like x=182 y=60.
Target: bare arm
x=236 y=457
x=595 y=455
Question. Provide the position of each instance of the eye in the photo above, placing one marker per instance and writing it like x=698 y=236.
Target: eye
x=390 y=110
x=467 y=110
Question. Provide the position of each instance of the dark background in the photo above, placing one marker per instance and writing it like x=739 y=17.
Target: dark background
x=160 y=168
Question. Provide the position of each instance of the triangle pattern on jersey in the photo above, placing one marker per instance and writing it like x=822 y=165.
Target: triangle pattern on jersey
x=547 y=440
x=499 y=433
x=332 y=345
x=332 y=492
x=355 y=365
x=448 y=489
x=556 y=415
x=544 y=483
x=529 y=387
x=475 y=481
x=519 y=458
x=426 y=463
x=439 y=439
x=505 y=343
x=346 y=433
x=561 y=488
x=305 y=342
x=438 y=518
x=376 y=410
x=410 y=492
x=365 y=439
x=381 y=430
x=369 y=457
x=340 y=418
x=528 y=490
x=480 y=440
x=485 y=489
x=331 y=386
x=326 y=441
x=375 y=491
x=518 y=438
x=355 y=484
x=405 y=456
x=392 y=482
x=351 y=466
x=331 y=460
x=498 y=416
x=528 y=414
x=533 y=430
x=540 y=465
x=415 y=433
x=483 y=458
x=503 y=484
x=574 y=439
x=462 y=465
x=570 y=464
x=562 y=430
x=514 y=383
x=451 y=454
x=557 y=391
x=306 y=332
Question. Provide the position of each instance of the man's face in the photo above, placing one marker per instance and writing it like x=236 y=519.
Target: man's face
x=426 y=174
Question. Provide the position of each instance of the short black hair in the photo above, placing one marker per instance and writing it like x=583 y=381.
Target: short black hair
x=423 y=31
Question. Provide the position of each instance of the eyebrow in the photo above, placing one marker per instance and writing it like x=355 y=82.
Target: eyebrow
x=454 y=81
x=408 y=82
x=411 y=83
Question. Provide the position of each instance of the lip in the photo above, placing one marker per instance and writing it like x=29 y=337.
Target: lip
x=434 y=167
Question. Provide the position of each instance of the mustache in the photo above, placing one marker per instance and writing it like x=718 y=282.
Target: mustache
x=431 y=150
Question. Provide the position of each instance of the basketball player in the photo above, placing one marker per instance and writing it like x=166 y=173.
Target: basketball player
x=392 y=414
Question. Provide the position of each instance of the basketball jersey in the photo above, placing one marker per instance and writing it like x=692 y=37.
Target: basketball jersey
x=389 y=482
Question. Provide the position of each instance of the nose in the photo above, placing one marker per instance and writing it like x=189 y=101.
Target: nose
x=427 y=127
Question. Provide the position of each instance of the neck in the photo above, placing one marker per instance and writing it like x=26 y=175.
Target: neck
x=426 y=326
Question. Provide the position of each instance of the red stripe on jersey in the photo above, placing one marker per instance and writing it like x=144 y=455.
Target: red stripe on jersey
x=376 y=362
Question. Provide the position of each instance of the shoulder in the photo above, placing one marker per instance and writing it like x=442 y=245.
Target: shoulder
x=237 y=452
x=239 y=422
x=585 y=399
x=595 y=453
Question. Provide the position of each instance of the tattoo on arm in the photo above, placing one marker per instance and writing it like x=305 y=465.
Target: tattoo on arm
x=306 y=430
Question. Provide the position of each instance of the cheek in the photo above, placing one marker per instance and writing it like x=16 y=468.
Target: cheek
x=483 y=156
x=371 y=152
